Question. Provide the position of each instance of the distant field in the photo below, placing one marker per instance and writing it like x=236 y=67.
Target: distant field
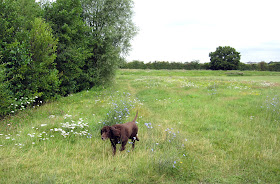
x=194 y=127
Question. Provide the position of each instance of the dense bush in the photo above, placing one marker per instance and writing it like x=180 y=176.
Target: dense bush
x=57 y=48
x=65 y=17
x=29 y=64
x=28 y=69
x=274 y=66
x=135 y=65
x=43 y=74
x=5 y=96
x=261 y=66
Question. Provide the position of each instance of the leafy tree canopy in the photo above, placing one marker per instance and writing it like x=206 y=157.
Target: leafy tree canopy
x=52 y=48
x=224 y=58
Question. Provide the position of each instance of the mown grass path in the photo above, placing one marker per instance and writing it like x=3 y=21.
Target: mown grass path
x=194 y=127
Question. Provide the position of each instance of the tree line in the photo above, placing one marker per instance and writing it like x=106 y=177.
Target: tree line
x=224 y=58
x=52 y=49
x=196 y=65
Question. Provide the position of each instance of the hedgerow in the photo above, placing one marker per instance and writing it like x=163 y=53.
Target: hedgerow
x=53 y=49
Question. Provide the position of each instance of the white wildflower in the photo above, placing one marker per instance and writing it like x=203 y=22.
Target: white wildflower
x=31 y=135
x=52 y=116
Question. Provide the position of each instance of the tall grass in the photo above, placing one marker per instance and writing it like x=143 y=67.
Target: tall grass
x=202 y=128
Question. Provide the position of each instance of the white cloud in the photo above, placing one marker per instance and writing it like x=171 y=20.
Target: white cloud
x=182 y=30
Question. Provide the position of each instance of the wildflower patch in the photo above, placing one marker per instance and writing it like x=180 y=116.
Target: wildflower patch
x=121 y=105
x=46 y=132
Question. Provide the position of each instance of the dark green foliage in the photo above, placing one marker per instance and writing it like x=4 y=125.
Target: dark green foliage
x=17 y=64
x=162 y=65
x=195 y=65
x=43 y=53
x=135 y=65
x=28 y=49
x=224 y=58
x=29 y=65
x=5 y=96
x=243 y=66
x=93 y=36
x=274 y=66
x=66 y=19
x=29 y=10
x=111 y=29
x=9 y=22
x=61 y=47
x=263 y=66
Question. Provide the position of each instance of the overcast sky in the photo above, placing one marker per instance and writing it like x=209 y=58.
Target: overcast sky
x=187 y=30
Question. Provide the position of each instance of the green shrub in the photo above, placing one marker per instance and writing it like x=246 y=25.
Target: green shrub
x=5 y=98
x=30 y=68
x=274 y=66
x=89 y=42
x=65 y=17
x=43 y=49
x=17 y=69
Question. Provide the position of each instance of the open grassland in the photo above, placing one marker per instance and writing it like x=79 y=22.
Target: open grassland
x=194 y=127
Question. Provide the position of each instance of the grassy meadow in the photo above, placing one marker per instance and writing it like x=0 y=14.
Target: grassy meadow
x=194 y=127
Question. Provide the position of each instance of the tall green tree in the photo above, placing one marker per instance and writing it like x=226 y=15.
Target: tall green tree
x=16 y=19
x=224 y=58
x=111 y=30
x=76 y=45
x=65 y=17
x=43 y=47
